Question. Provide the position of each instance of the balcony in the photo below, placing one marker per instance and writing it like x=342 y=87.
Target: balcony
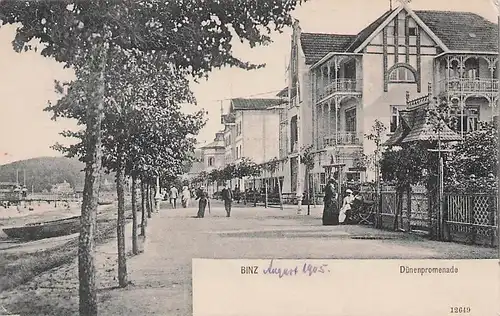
x=469 y=85
x=348 y=86
x=343 y=139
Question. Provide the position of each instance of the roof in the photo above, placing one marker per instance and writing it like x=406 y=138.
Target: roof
x=283 y=93
x=214 y=144
x=367 y=31
x=459 y=31
x=228 y=118
x=316 y=45
x=462 y=31
x=415 y=126
x=254 y=104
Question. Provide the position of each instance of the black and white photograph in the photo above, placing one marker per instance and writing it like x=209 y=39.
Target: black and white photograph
x=138 y=136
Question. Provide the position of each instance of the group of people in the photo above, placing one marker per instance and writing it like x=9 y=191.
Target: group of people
x=332 y=215
x=185 y=195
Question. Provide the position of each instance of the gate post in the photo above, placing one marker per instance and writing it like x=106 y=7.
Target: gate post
x=446 y=228
x=408 y=207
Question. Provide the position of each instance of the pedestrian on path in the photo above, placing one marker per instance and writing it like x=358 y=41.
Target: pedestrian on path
x=174 y=194
x=185 y=196
x=227 y=197
x=202 y=197
x=331 y=210
x=346 y=206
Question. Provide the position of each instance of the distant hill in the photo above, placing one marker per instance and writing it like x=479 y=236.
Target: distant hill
x=44 y=172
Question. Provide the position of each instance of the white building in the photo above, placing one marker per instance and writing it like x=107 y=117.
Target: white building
x=339 y=84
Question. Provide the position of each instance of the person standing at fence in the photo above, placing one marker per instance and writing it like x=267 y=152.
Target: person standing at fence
x=330 y=211
x=227 y=197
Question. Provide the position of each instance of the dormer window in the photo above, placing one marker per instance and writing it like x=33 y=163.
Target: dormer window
x=402 y=75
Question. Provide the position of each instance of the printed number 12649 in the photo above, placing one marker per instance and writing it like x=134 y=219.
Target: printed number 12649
x=460 y=310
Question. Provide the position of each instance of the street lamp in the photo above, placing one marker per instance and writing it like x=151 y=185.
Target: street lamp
x=158 y=196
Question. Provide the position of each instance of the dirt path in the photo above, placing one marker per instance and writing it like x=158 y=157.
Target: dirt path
x=161 y=275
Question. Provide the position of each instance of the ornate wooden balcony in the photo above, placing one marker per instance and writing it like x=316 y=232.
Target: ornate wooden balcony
x=348 y=86
x=343 y=139
x=468 y=85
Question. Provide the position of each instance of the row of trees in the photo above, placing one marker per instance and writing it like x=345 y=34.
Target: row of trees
x=132 y=60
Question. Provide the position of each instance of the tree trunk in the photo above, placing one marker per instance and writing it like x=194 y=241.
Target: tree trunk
x=143 y=208
x=308 y=194
x=120 y=227
x=135 y=249
x=148 y=199
x=280 y=195
x=93 y=144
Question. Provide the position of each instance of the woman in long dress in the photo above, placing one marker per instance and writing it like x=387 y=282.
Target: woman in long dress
x=331 y=210
x=185 y=196
x=202 y=196
x=346 y=207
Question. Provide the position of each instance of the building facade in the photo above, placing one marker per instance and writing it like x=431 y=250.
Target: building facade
x=340 y=84
x=251 y=131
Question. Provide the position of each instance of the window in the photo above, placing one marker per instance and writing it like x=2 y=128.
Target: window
x=237 y=153
x=395 y=117
x=210 y=161
x=350 y=120
x=467 y=120
x=471 y=69
x=293 y=132
x=402 y=74
x=412 y=31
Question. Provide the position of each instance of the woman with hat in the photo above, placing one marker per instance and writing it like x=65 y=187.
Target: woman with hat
x=202 y=196
x=346 y=206
x=331 y=210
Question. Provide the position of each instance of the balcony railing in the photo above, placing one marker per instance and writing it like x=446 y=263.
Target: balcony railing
x=343 y=138
x=340 y=85
x=468 y=85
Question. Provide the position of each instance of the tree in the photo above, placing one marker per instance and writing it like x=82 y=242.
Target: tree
x=130 y=132
x=375 y=135
x=473 y=164
x=196 y=35
x=307 y=159
x=245 y=168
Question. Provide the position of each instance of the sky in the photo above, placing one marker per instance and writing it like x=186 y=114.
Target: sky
x=27 y=79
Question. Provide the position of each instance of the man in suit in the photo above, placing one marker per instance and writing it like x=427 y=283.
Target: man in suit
x=227 y=197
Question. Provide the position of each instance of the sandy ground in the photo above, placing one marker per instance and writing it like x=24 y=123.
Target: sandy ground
x=161 y=276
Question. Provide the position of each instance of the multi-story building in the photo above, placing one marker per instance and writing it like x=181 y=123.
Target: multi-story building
x=252 y=130
x=340 y=84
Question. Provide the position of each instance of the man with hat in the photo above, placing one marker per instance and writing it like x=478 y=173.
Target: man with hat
x=227 y=197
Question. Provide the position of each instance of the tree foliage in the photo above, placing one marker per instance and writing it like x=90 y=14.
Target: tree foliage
x=473 y=165
x=246 y=168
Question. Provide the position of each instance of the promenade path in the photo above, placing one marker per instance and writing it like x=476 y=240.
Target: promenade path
x=161 y=275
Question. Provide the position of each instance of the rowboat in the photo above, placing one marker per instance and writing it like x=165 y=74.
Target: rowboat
x=35 y=231
x=105 y=202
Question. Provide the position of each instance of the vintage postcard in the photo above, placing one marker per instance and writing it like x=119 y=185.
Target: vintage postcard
x=237 y=157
